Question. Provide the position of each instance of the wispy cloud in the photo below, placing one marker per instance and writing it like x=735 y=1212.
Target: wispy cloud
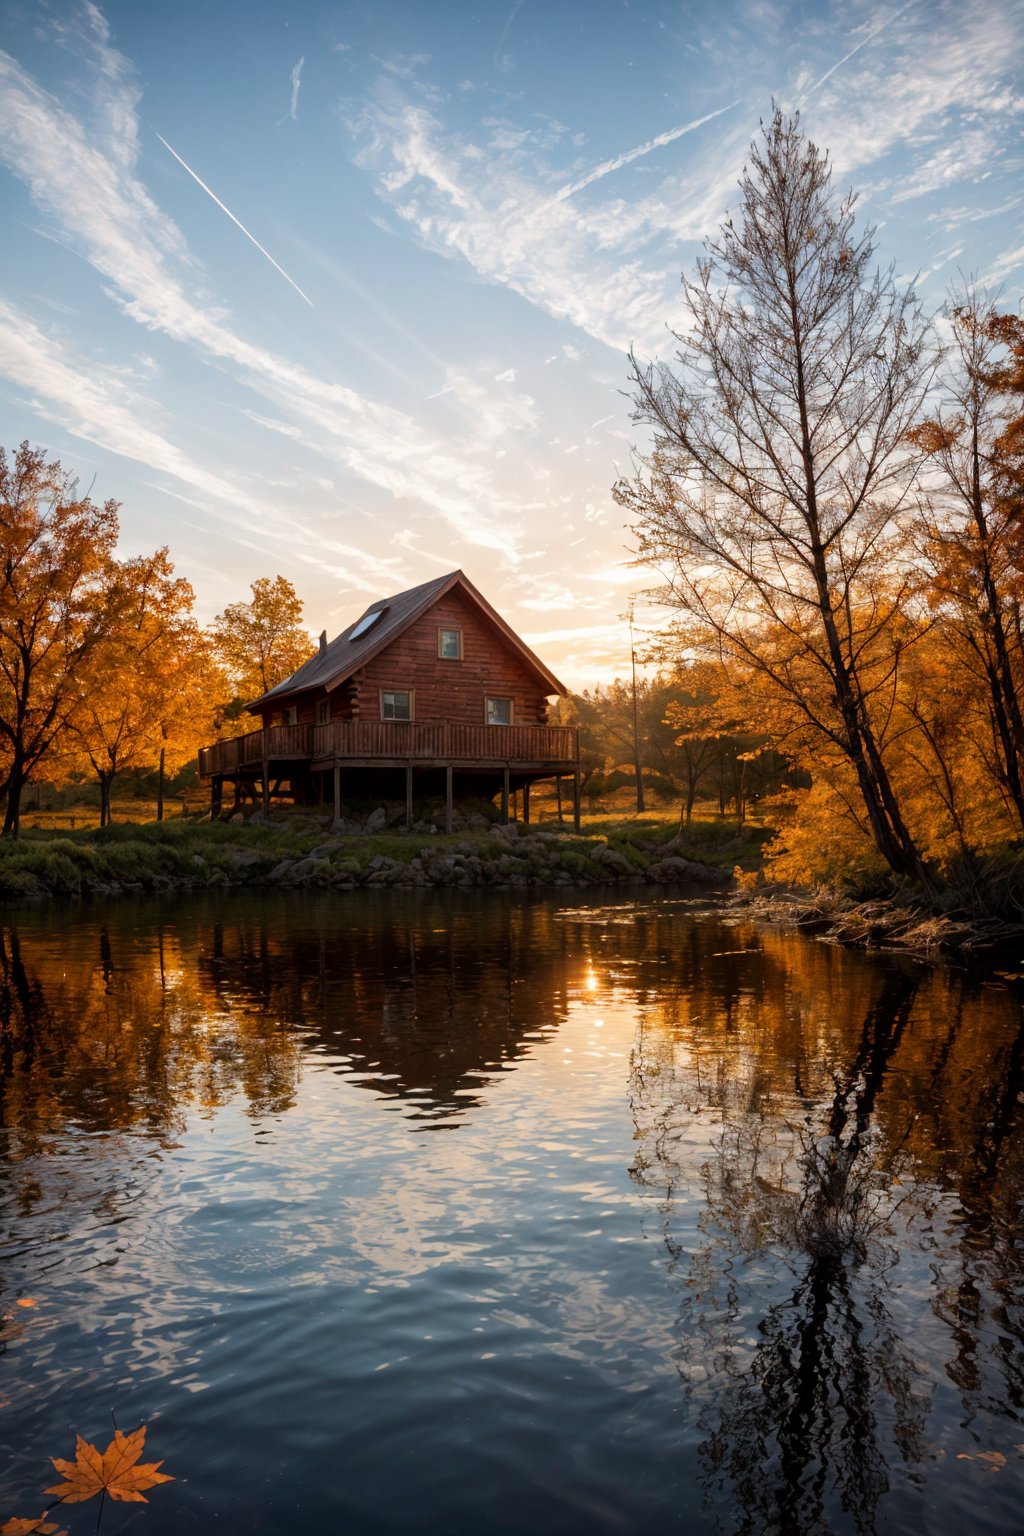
x=607 y=267
x=225 y=209
x=94 y=404
x=293 y=109
x=82 y=181
x=499 y=58
x=924 y=98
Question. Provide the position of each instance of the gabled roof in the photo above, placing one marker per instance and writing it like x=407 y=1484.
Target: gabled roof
x=337 y=662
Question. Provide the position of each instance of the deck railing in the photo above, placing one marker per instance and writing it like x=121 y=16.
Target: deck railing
x=392 y=741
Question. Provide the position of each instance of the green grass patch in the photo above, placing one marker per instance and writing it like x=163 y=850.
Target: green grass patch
x=197 y=851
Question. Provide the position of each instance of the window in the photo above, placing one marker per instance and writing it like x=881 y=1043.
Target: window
x=449 y=644
x=291 y=715
x=323 y=712
x=367 y=621
x=394 y=705
x=499 y=711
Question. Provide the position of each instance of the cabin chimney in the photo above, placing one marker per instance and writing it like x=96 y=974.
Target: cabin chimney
x=323 y=641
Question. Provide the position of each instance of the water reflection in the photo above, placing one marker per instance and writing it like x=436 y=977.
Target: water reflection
x=826 y=1148
x=866 y=1143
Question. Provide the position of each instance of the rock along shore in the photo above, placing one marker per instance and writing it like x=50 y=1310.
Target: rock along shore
x=311 y=855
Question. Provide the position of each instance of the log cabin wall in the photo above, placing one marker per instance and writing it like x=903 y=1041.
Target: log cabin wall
x=341 y=701
x=451 y=690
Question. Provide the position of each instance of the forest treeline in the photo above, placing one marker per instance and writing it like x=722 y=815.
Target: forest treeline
x=104 y=668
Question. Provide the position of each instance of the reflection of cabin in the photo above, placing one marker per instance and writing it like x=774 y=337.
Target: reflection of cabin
x=429 y=690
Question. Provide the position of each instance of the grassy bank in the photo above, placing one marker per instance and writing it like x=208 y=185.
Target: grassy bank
x=297 y=850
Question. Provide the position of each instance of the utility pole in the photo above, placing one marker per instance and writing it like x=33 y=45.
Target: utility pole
x=640 y=806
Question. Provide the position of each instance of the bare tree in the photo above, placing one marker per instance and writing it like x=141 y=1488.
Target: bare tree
x=779 y=468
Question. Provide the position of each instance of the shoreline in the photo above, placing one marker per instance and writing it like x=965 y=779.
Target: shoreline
x=887 y=924
x=173 y=858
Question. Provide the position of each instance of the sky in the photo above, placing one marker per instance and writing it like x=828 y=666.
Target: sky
x=345 y=293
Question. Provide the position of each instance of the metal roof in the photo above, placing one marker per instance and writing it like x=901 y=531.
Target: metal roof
x=333 y=665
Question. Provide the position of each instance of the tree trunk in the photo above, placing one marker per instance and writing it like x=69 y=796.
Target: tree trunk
x=160 y=787
x=12 y=815
x=106 y=780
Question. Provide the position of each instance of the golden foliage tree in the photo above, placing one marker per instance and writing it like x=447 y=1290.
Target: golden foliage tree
x=972 y=534
x=54 y=549
x=261 y=642
x=147 y=697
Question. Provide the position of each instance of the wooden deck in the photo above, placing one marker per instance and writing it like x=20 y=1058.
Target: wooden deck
x=535 y=749
x=501 y=755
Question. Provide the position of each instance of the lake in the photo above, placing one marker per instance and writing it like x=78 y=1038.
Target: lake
x=501 y=1213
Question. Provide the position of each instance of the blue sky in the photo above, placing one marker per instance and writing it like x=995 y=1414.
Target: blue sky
x=455 y=220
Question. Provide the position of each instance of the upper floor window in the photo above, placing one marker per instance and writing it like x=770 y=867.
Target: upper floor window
x=449 y=644
x=499 y=711
x=291 y=715
x=323 y=712
x=395 y=705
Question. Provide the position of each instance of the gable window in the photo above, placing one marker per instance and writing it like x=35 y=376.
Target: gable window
x=395 y=705
x=449 y=644
x=498 y=711
x=323 y=712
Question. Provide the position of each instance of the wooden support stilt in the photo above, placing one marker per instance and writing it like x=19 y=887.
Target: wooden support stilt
x=216 y=793
x=526 y=804
x=408 y=795
x=558 y=792
x=576 y=800
x=448 y=789
x=504 y=798
x=337 y=793
x=266 y=773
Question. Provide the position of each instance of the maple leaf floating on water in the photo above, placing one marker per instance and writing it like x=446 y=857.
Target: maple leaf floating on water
x=40 y=1527
x=116 y=1472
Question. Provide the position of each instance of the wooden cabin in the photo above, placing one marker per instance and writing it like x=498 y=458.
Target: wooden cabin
x=428 y=692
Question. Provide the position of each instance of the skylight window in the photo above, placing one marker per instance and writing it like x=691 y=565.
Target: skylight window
x=367 y=622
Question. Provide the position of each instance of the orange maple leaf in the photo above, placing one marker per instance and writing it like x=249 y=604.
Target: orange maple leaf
x=38 y=1527
x=115 y=1472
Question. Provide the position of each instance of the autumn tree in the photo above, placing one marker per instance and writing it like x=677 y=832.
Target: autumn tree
x=261 y=642
x=971 y=531
x=54 y=547
x=146 y=699
x=778 y=470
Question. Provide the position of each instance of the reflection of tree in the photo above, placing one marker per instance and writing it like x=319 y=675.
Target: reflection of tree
x=982 y=1296
x=110 y=1032
x=811 y=1394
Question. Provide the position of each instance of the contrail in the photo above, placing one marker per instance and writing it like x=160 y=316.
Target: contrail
x=608 y=166
x=862 y=44
x=231 y=216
